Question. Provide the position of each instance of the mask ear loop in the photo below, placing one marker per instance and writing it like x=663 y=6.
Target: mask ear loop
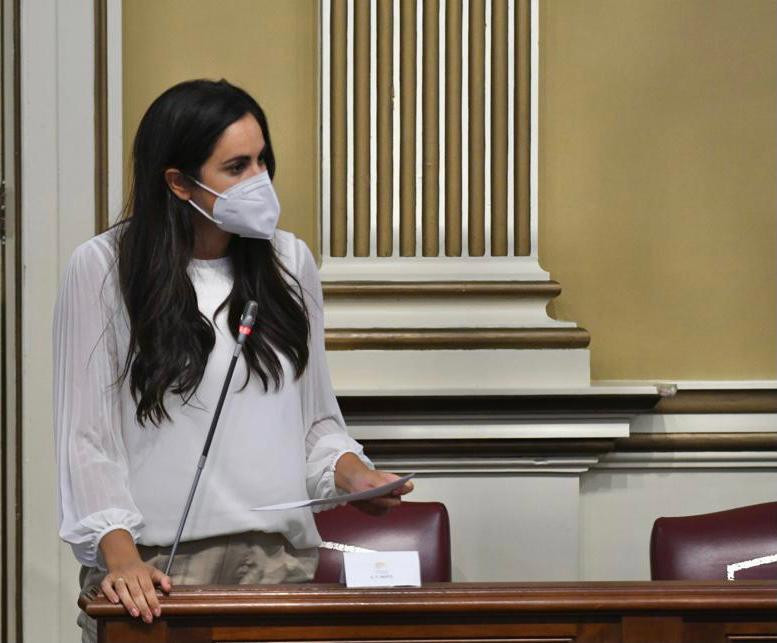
x=197 y=207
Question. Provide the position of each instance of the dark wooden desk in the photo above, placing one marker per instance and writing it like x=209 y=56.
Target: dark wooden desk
x=645 y=612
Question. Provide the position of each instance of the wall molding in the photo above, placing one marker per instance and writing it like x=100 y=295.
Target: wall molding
x=115 y=110
x=377 y=289
x=452 y=449
x=101 y=160
x=598 y=399
x=432 y=269
x=704 y=423
x=487 y=429
x=647 y=442
x=709 y=396
x=343 y=339
x=694 y=385
x=719 y=400
x=11 y=534
x=476 y=305
x=468 y=455
x=705 y=460
x=553 y=465
x=449 y=303
x=548 y=403
x=454 y=372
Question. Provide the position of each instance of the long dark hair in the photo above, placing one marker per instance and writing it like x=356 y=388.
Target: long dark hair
x=170 y=339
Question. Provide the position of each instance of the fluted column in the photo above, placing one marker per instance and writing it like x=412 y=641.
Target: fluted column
x=427 y=108
x=430 y=274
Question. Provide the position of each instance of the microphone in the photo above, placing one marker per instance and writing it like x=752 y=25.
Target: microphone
x=247 y=320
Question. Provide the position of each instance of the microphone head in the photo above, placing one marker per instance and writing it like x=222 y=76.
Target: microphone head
x=248 y=317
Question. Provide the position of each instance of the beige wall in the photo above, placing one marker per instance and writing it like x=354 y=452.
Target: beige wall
x=657 y=159
x=269 y=48
x=657 y=182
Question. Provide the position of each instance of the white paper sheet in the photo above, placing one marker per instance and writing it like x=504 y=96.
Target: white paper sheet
x=351 y=497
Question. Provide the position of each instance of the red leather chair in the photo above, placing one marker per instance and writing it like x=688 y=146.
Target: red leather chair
x=412 y=526
x=701 y=547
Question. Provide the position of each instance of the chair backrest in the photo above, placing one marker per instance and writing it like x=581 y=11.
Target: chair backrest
x=701 y=547
x=412 y=526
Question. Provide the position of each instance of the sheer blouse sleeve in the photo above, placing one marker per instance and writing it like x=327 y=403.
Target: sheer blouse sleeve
x=94 y=496
x=326 y=438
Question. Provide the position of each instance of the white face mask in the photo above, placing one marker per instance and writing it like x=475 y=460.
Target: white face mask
x=249 y=208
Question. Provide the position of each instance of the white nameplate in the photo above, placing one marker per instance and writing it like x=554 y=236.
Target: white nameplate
x=382 y=569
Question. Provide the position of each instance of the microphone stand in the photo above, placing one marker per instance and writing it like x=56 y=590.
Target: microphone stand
x=246 y=326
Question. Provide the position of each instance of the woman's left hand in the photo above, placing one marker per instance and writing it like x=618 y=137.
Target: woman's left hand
x=352 y=475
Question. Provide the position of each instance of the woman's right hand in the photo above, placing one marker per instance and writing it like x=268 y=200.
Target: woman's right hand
x=129 y=580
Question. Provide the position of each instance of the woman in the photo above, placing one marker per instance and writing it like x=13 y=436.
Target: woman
x=144 y=329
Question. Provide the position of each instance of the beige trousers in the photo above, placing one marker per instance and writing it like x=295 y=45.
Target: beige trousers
x=249 y=558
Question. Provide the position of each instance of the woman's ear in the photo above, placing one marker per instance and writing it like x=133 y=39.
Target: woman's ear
x=178 y=183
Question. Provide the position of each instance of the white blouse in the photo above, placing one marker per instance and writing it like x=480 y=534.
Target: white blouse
x=269 y=447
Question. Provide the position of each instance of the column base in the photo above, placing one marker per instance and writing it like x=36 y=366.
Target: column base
x=456 y=372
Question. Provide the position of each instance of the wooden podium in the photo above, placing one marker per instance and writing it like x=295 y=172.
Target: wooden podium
x=631 y=612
